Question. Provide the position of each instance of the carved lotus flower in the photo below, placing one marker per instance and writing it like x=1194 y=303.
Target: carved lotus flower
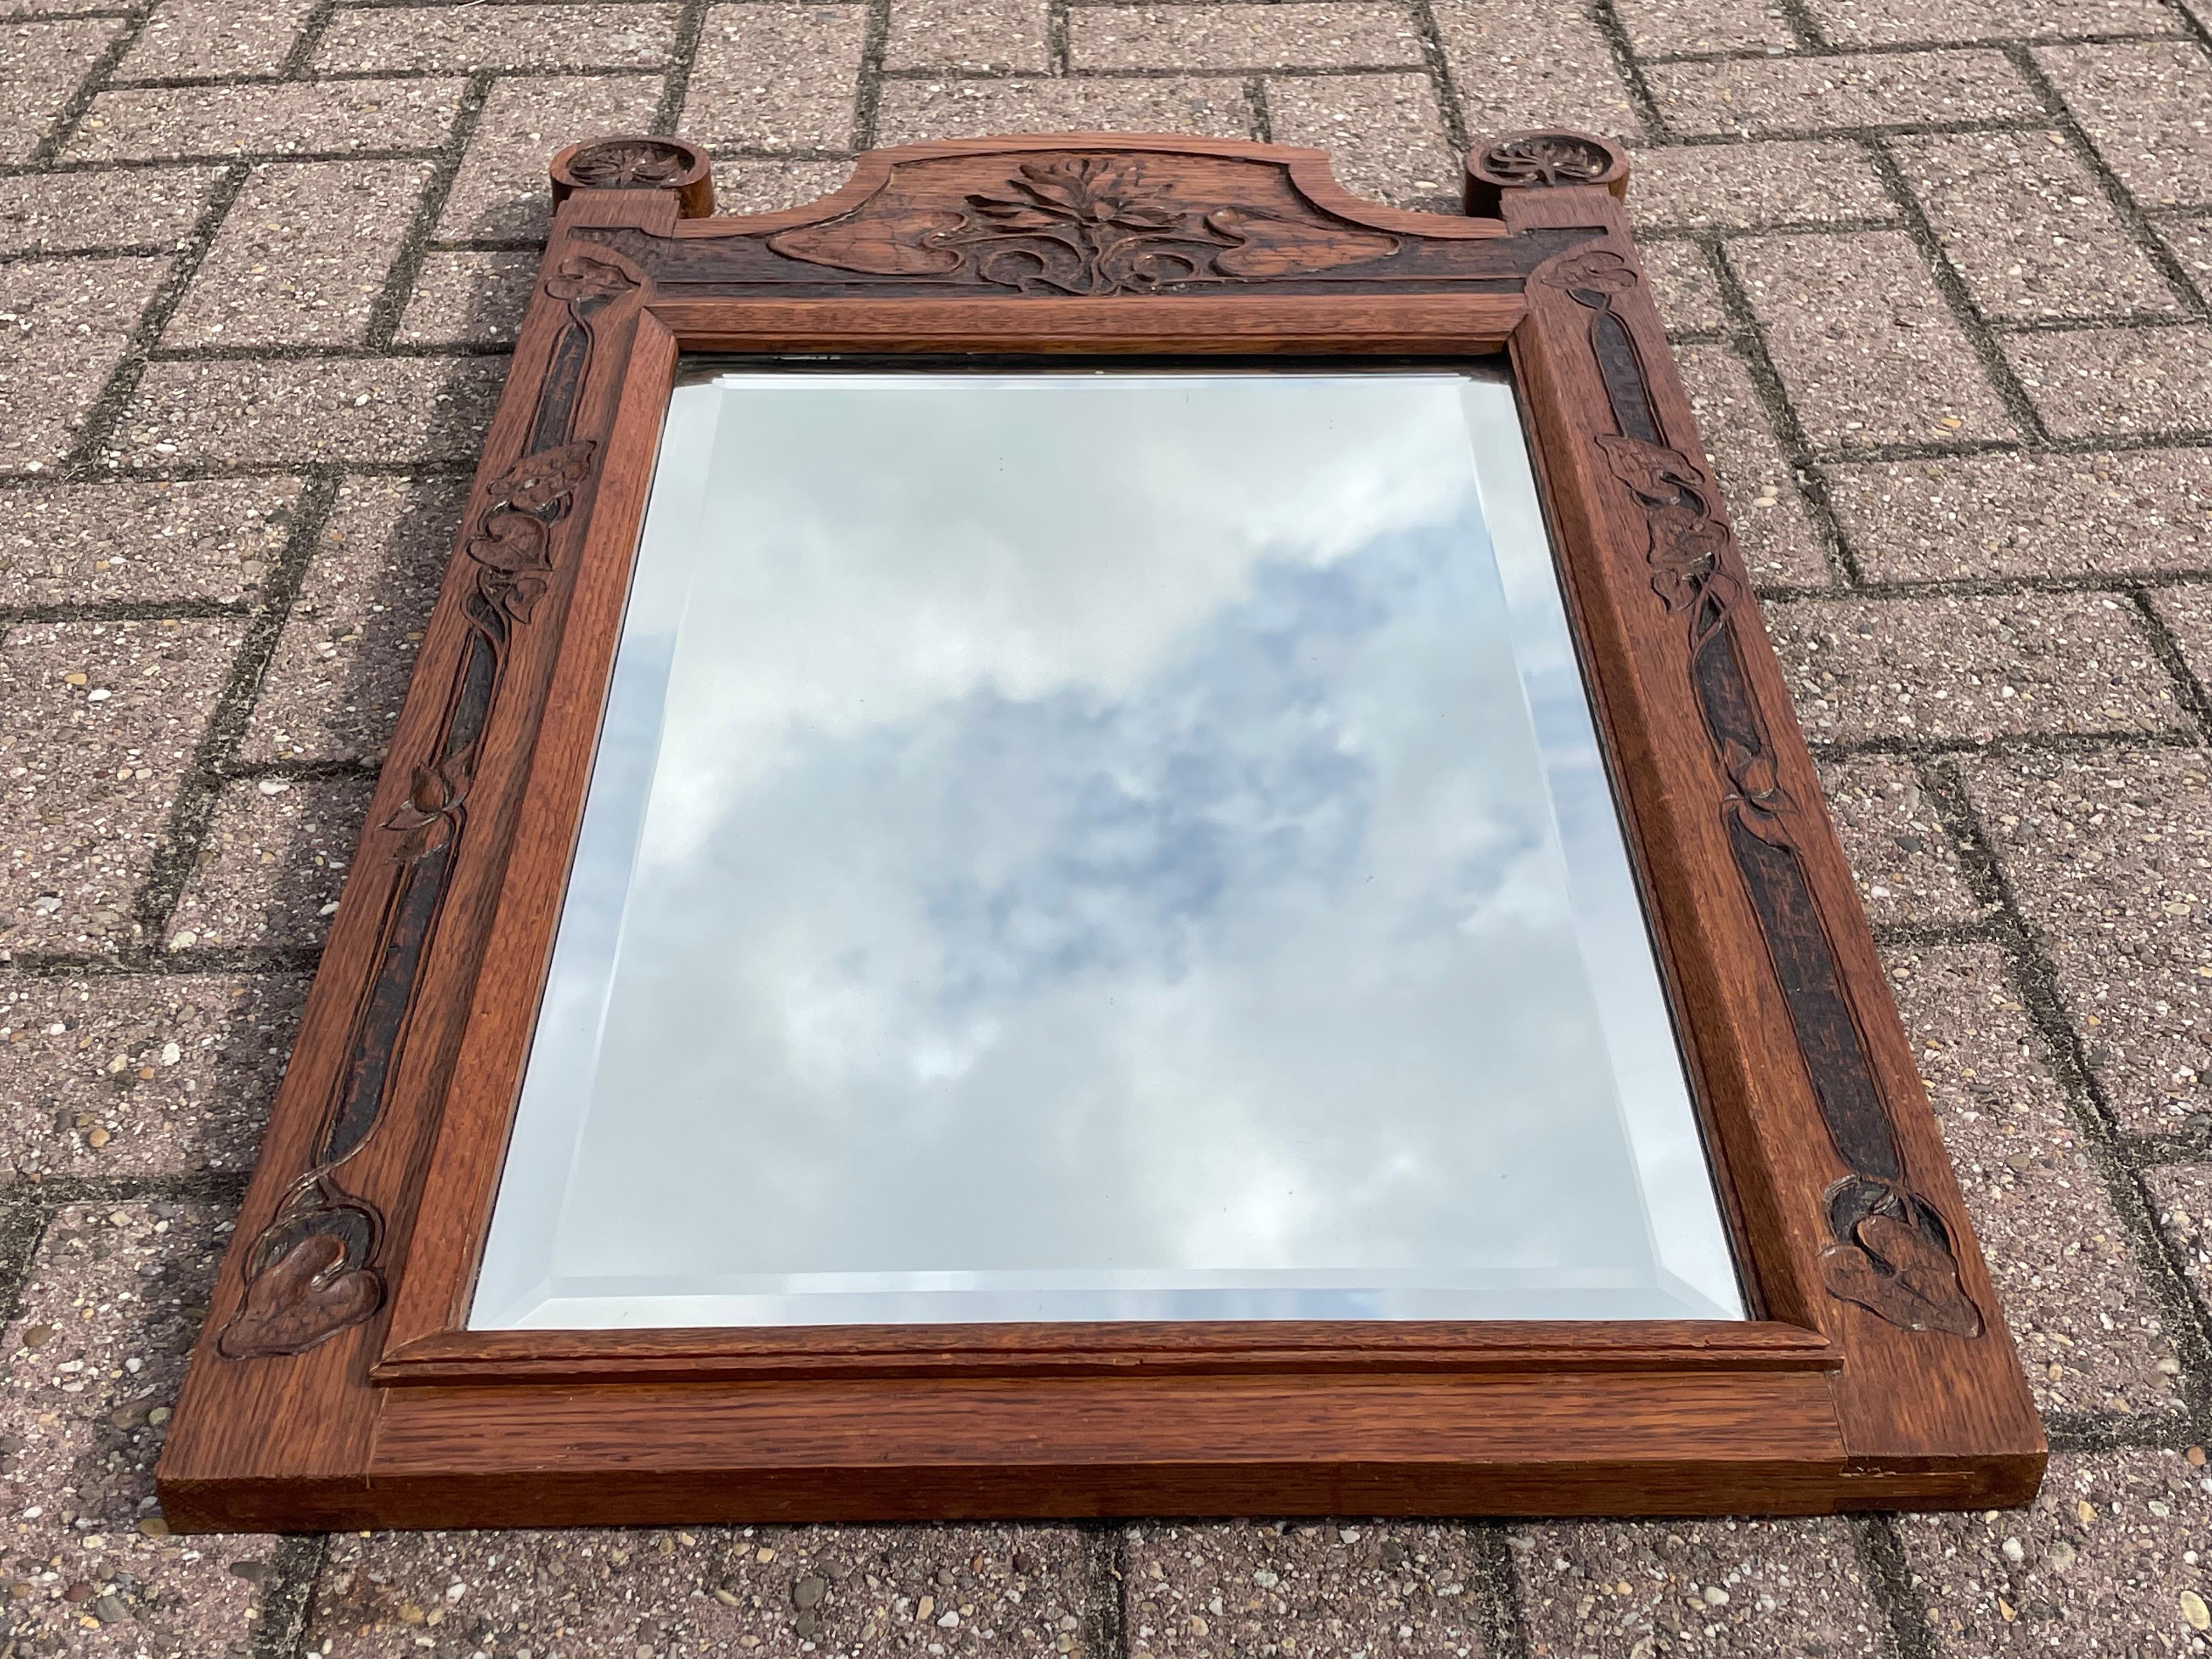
x=1082 y=191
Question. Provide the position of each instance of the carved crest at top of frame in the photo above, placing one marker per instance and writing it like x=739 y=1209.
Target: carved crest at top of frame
x=1065 y=219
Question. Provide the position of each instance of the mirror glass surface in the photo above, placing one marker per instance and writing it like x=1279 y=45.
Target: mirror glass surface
x=1077 y=845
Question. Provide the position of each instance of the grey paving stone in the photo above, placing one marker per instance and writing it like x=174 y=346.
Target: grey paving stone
x=68 y=324
x=2182 y=1193
x=1527 y=64
x=2108 y=1558
x=464 y=39
x=333 y=689
x=1658 y=28
x=1254 y=1586
x=1684 y=287
x=214 y=37
x=1632 y=1591
x=1970 y=666
x=2142 y=103
x=1773 y=528
x=1903 y=22
x=1749 y=187
x=89 y=1369
x=501 y=193
x=2029 y=229
x=115 y=1075
x=41 y=66
x=2117 y=382
x=1863 y=340
x=296 y=119
x=2106 y=854
x=2186 y=611
x=1338 y=34
x=1384 y=133
x=2091 y=1334
x=2016 y=515
x=302 y=255
x=270 y=869
x=766 y=1592
x=764 y=183
x=1817 y=94
x=144 y=544
x=912 y=111
x=967 y=35
x=1907 y=865
x=401 y=409
x=774 y=76
x=80 y=212
x=99 y=722
x=469 y=299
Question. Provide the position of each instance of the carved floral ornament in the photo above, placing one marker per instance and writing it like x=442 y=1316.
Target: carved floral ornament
x=1543 y=159
x=1081 y=225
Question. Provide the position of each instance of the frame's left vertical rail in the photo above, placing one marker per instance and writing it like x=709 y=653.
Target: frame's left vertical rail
x=277 y=1405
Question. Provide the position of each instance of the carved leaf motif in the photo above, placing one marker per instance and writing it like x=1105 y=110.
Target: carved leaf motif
x=1597 y=274
x=627 y=162
x=304 y=1297
x=1268 y=246
x=1897 y=1271
x=586 y=278
x=426 y=822
x=880 y=244
x=1546 y=158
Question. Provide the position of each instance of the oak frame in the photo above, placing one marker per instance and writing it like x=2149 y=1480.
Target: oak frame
x=336 y=1384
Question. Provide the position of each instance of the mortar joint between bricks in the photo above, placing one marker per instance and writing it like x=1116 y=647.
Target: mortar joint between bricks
x=1878 y=1542
x=682 y=53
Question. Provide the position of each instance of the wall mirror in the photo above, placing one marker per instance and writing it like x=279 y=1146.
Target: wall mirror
x=1093 y=831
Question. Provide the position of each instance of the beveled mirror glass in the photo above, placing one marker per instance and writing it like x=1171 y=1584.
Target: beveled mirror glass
x=1081 y=845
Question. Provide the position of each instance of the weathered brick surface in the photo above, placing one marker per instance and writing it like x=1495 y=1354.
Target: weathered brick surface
x=1940 y=267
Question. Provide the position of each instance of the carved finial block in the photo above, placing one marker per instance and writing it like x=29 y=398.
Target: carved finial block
x=637 y=162
x=1543 y=160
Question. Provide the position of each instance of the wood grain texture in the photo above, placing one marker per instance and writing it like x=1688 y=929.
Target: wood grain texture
x=338 y=1385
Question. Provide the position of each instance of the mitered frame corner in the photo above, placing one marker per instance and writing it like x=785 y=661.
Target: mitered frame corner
x=337 y=1383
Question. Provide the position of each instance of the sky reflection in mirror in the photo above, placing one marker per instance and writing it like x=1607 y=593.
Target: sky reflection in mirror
x=1077 y=846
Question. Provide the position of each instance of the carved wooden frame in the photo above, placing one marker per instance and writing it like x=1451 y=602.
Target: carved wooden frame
x=336 y=1384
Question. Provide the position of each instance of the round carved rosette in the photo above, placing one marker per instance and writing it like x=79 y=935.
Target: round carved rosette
x=637 y=162
x=1541 y=160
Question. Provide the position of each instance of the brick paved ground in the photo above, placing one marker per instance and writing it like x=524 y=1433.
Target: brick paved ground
x=1939 y=270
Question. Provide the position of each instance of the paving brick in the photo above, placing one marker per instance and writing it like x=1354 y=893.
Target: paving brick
x=464 y=39
x=1600 y=1590
x=1519 y=65
x=1384 y=133
x=1817 y=181
x=1683 y=283
x=404 y=409
x=2027 y=516
x=2181 y=1195
x=2113 y=382
x=1902 y=857
x=2106 y=854
x=302 y=255
x=774 y=76
x=339 y=674
x=1970 y=666
x=1863 y=342
x=2187 y=611
x=1343 y=34
x=214 y=37
x=1251 y=1587
x=989 y=34
x=764 y=183
x=1663 y=27
x=499 y=193
x=80 y=212
x=912 y=111
x=142 y=542
x=91 y=1364
x=769 y=1592
x=41 y=66
x=64 y=325
x=270 y=869
x=2142 y=105
x=93 y=766
x=1818 y=94
x=2090 y=1335
x=2190 y=241
x=2028 y=229
x=2099 y=1563
x=142 y=1075
x=1772 y=527
x=1903 y=22
x=469 y=299
x=300 y=118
